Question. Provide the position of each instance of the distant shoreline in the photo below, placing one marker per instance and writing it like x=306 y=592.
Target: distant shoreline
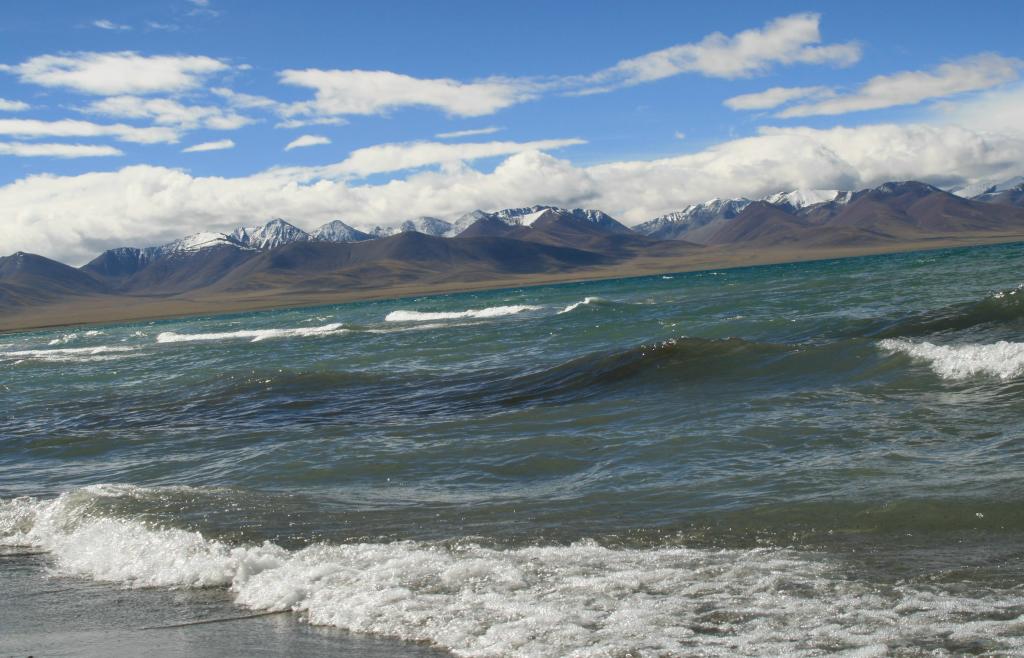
x=116 y=309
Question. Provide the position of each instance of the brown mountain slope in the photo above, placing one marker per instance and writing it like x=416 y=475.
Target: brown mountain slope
x=182 y=272
x=762 y=224
x=28 y=279
x=910 y=210
x=400 y=259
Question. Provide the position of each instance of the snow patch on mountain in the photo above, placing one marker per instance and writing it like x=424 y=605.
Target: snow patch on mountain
x=802 y=198
x=198 y=242
x=987 y=187
x=338 y=231
x=694 y=216
x=273 y=234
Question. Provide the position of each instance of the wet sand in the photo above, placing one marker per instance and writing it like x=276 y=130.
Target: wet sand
x=48 y=615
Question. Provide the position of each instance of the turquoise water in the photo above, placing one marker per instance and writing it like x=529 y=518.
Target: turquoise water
x=802 y=458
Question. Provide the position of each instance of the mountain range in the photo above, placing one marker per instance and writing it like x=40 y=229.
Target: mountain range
x=280 y=258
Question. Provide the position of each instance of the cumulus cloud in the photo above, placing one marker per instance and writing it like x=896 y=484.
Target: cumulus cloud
x=115 y=73
x=32 y=128
x=998 y=111
x=472 y=132
x=142 y=205
x=52 y=150
x=219 y=145
x=909 y=87
x=384 y=158
x=340 y=92
x=788 y=40
x=307 y=140
x=248 y=101
x=105 y=24
x=774 y=97
x=12 y=106
x=165 y=111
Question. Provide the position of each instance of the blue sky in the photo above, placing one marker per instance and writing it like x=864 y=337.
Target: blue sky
x=636 y=108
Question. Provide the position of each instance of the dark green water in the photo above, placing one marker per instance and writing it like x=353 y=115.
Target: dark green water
x=800 y=459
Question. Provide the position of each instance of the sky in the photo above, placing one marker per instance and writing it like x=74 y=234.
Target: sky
x=135 y=123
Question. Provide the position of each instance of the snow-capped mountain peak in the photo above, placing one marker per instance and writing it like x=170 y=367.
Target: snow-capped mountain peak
x=987 y=187
x=198 y=242
x=274 y=233
x=801 y=198
x=426 y=225
x=465 y=221
x=694 y=216
x=338 y=231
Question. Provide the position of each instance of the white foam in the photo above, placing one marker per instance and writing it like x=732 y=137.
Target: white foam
x=97 y=353
x=586 y=301
x=583 y=599
x=490 y=312
x=254 y=335
x=1003 y=359
x=67 y=338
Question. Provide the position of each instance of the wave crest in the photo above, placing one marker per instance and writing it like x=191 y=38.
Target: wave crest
x=255 y=335
x=585 y=302
x=64 y=354
x=677 y=358
x=490 y=312
x=1002 y=359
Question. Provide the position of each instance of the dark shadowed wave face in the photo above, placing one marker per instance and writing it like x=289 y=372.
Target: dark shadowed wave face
x=797 y=459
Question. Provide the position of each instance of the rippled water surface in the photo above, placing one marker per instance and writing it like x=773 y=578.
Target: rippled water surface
x=799 y=459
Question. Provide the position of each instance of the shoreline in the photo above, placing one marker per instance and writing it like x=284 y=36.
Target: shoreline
x=119 y=309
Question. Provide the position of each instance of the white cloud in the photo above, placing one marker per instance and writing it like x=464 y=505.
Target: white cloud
x=975 y=73
x=472 y=132
x=70 y=128
x=317 y=121
x=247 y=101
x=788 y=40
x=219 y=145
x=105 y=24
x=30 y=150
x=769 y=98
x=165 y=111
x=998 y=110
x=116 y=73
x=384 y=158
x=307 y=140
x=679 y=134
x=12 y=106
x=166 y=27
x=375 y=92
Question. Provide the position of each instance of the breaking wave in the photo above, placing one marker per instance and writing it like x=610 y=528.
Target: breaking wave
x=255 y=335
x=490 y=312
x=73 y=336
x=1003 y=359
x=581 y=599
x=65 y=354
x=586 y=302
